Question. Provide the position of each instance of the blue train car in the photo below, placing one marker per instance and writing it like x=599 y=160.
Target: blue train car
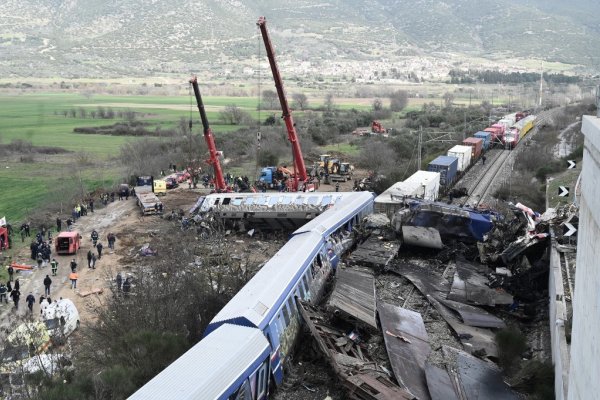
x=486 y=136
x=205 y=371
x=447 y=166
x=267 y=306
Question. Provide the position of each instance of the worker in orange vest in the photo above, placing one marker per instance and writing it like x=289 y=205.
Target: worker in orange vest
x=73 y=276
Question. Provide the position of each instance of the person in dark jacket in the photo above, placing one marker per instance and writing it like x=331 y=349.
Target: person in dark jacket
x=17 y=285
x=73 y=265
x=58 y=224
x=89 y=258
x=126 y=287
x=119 y=281
x=15 y=295
x=30 y=301
x=11 y=271
x=3 y=293
x=47 y=283
x=99 y=248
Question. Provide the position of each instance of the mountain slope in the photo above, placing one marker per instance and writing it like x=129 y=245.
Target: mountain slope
x=139 y=37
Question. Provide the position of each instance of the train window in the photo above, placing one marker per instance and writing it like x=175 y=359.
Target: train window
x=244 y=392
x=262 y=380
x=292 y=305
x=226 y=200
x=273 y=200
x=237 y=201
x=305 y=280
x=326 y=200
x=286 y=315
x=249 y=200
x=286 y=200
x=299 y=200
x=217 y=202
x=261 y=200
x=312 y=200
x=301 y=290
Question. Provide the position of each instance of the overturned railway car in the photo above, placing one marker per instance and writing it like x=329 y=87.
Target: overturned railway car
x=264 y=313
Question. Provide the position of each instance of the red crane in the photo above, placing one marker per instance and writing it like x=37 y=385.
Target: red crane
x=299 y=167
x=220 y=185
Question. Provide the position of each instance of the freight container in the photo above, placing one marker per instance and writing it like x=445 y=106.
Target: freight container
x=476 y=146
x=429 y=184
x=463 y=153
x=486 y=136
x=497 y=132
x=447 y=167
x=422 y=185
x=508 y=120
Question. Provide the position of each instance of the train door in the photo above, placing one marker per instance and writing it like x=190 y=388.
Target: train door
x=256 y=387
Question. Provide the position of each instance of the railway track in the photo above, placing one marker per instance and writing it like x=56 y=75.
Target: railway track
x=480 y=188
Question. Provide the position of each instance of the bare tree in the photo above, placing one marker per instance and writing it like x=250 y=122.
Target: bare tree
x=398 y=100
x=300 y=101
x=233 y=115
x=377 y=104
x=270 y=98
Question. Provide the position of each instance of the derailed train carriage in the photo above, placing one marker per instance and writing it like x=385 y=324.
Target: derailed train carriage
x=247 y=343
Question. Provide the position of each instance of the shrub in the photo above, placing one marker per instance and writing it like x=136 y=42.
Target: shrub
x=511 y=344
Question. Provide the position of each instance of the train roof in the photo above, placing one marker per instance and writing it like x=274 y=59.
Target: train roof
x=256 y=303
x=210 y=369
x=270 y=199
x=339 y=214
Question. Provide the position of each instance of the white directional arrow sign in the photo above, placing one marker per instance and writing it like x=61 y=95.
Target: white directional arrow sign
x=571 y=229
x=571 y=164
x=563 y=191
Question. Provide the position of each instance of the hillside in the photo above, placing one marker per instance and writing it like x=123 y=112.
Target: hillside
x=87 y=38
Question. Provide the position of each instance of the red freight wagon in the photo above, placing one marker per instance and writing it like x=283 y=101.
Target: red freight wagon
x=476 y=144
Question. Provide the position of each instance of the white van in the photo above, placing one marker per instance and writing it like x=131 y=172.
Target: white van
x=61 y=318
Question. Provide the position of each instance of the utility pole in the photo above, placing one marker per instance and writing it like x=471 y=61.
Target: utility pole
x=541 y=83
x=465 y=130
x=420 y=146
x=598 y=101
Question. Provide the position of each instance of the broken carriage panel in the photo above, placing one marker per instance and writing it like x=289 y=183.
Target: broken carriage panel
x=470 y=286
x=353 y=296
x=451 y=221
x=407 y=346
x=363 y=378
x=421 y=237
x=478 y=341
x=439 y=384
x=374 y=253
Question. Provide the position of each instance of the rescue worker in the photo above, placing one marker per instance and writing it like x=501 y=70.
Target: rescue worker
x=3 y=292
x=73 y=276
x=11 y=271
x=99 y=248
x=58 y=224
x=111 y=240
x=89 y=258
x=73 y=265
x=54 y=265
x=47 y=283
x=126 y=287
x=94 y=236
x=482 y=160
x=16 y=295
x=30 y=301
x=119 y=281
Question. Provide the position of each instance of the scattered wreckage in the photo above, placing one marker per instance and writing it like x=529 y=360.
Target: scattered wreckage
x=505 y=267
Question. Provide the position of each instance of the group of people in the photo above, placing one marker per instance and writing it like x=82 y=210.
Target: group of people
x=12 y=290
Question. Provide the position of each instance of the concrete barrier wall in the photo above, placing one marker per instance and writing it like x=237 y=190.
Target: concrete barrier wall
x=558 y=317
x=584 y=375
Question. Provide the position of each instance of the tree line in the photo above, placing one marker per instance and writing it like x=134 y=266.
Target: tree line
x=490 y=76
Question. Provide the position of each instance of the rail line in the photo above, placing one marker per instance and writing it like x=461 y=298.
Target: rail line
x=482 y=186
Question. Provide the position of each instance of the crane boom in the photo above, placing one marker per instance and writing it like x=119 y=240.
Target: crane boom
x=210 y=140
x=300 y=173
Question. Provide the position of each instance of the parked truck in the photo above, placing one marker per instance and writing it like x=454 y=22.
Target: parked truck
x=147 y=200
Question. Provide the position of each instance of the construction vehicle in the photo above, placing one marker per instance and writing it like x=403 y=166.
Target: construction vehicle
x=272 y=176
x=300 y=177
x=377 y=128
x=219 y=180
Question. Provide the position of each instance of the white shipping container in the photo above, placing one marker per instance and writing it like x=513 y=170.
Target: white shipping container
x=463 y=153
x=429 y=184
